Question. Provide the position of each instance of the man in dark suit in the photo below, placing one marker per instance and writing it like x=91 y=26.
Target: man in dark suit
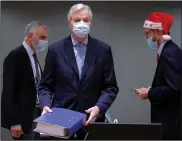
x=79 y=70
x=21 y=76
x=165 y=92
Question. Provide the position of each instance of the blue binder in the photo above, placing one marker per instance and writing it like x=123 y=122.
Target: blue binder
x=64 y=118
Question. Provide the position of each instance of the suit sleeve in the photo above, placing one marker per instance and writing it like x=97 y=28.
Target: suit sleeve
x=111 y=89
x=171 y=76
x=47 y=84
x=9 y=107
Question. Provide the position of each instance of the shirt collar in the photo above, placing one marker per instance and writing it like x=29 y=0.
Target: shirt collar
x=28 y=48
x=161 y=48
x=75 y=42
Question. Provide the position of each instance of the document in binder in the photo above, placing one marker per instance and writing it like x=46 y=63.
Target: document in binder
x=61 y=123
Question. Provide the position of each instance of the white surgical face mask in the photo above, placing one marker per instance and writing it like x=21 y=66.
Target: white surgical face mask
x=81 y=29
x=42 y=45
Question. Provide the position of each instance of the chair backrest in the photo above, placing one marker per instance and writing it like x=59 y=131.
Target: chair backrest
x=108 y=118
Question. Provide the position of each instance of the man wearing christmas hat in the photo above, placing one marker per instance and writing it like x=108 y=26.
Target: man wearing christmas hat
x=164 y=94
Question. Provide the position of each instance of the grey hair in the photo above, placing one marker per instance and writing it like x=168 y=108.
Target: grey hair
x=32 y=26
x=78 y=7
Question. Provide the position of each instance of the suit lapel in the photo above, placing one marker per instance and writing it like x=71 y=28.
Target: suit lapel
x=153 y=83
x=69 y=54
x=71 y=59
x=90 y=56
x=27 y=64
x=159 y=62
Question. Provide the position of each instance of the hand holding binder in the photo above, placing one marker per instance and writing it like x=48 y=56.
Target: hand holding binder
x=46 y=110
x=94 y=112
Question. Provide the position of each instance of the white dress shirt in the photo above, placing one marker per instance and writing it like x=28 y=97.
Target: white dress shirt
x=30 y=54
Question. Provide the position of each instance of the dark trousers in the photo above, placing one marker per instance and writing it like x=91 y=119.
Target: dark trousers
x=36 y=136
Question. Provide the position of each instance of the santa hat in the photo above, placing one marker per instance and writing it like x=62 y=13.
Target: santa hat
x=161 y=21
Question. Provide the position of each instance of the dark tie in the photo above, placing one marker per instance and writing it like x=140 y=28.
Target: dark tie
x=158 y=58
x=37 y=75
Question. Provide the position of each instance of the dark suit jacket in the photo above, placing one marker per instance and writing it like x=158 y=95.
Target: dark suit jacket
x=19 y=93
x=98 y=85
x=165 y=95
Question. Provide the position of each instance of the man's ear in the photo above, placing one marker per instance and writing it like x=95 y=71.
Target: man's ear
x=159 y=31
x=70 y=23
x=91 y=23
x=30 y=36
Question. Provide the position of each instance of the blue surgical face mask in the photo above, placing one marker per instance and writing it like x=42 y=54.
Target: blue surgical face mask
x=152 y=44
x=42 y=45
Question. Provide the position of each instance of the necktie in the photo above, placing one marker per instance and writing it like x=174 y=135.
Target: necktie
x=37 y=75
x=80 y=57
x=158 y=58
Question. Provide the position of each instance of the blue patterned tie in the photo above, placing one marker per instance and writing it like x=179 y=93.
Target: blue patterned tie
x=80 y=57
